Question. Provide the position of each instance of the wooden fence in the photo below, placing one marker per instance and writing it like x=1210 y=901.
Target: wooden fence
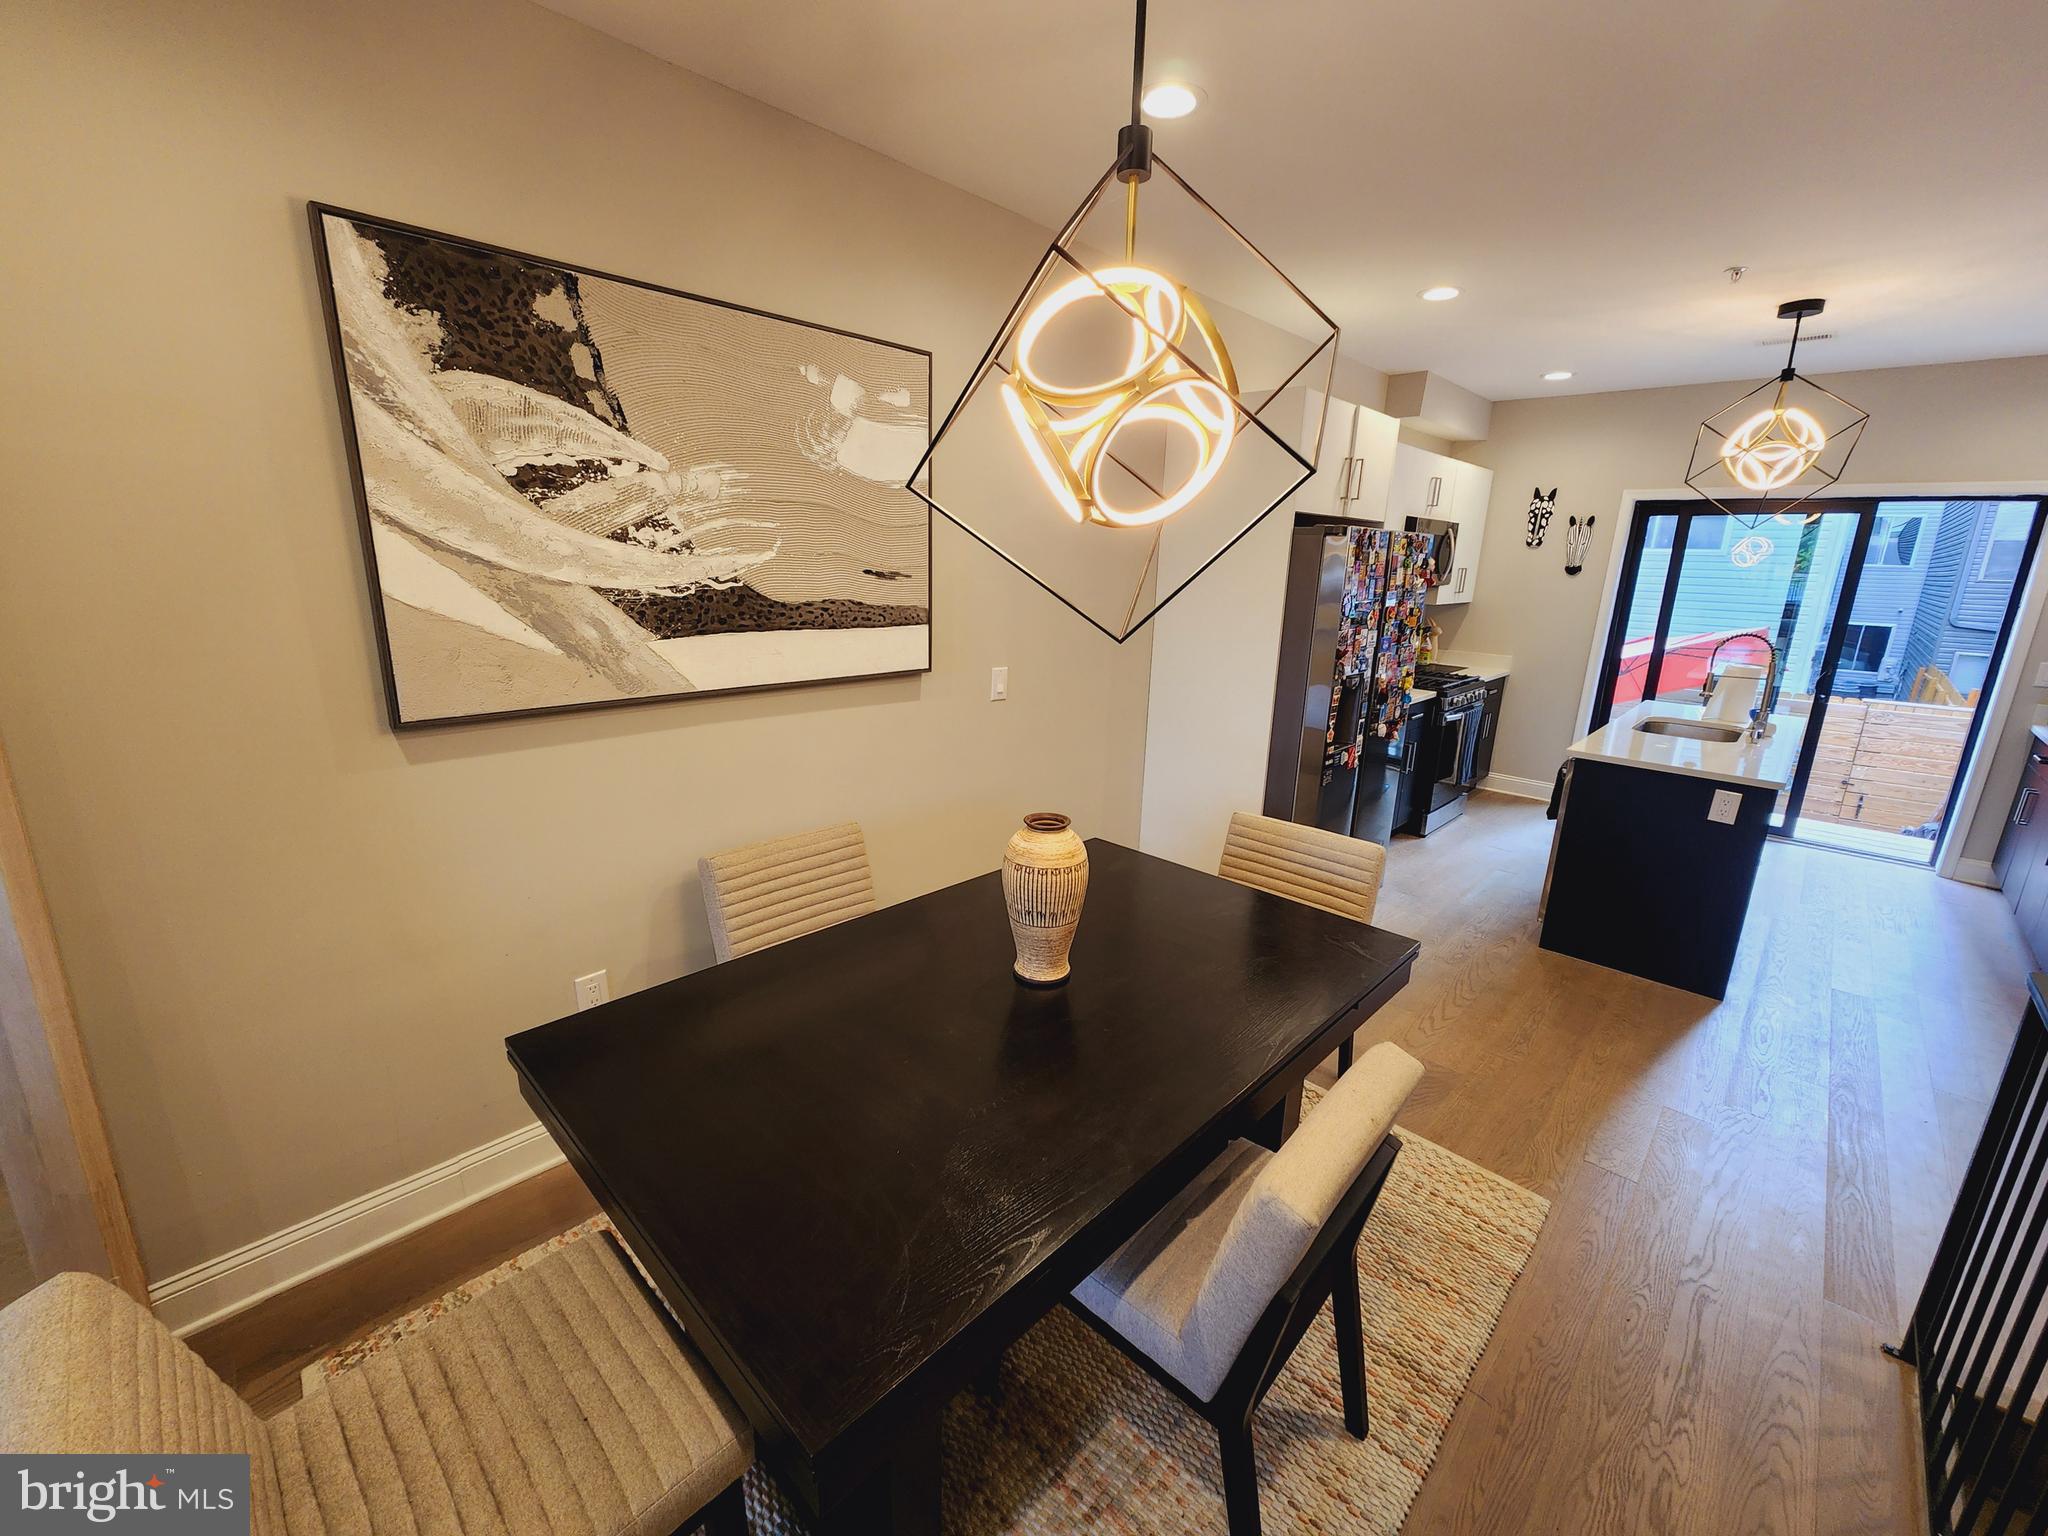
x=1886 y=764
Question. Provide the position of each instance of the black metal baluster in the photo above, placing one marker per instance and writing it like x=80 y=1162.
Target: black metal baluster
x=1972 y=1331
x=1966 y=1226
x=1960 y=1349
x=1989 y=1393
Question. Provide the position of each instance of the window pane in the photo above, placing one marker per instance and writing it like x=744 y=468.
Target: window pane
x=2008 y=541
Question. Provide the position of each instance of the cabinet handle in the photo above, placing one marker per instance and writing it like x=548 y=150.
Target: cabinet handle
x=1358 y=478
x=2035 y=757
x=1436 y=489
x=1461 y=580
x=2023 y=813
x=1344 y=479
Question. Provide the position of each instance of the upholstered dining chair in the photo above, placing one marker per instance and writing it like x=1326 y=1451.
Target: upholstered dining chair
x=767 y=893
x=1321 y=869
x=1212 y=1295
x=562 y=1399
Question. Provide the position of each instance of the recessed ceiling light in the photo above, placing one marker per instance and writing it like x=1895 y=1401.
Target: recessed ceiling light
x=1172 y=100
x=1557 y=375
x=1439 y=294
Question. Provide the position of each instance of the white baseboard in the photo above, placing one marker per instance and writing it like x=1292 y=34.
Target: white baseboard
x=1521 y=789
x=1976 y=872
x=208 y=1292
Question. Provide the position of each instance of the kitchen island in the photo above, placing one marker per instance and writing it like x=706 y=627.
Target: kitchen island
x=1661 y=826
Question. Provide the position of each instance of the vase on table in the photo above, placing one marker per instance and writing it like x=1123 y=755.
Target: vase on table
x=1045 y=880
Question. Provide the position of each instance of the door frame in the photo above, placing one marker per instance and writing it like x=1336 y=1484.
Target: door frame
x=2002 y=686
x=54 y=1153
x=1686 y=512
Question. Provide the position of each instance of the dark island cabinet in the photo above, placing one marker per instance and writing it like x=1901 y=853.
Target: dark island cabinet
x=2022 y=862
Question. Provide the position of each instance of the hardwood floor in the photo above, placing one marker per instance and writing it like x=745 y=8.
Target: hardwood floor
x=1745 y=1195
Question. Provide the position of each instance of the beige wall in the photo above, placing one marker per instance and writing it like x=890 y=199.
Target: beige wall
x=298 y=940
x=1935 y=427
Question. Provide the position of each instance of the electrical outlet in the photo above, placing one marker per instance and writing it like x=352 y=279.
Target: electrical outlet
x=1726 y=803
x=593 y=989
x=998 y=684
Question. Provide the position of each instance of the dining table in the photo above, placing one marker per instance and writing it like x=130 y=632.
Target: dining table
x=857 y=1165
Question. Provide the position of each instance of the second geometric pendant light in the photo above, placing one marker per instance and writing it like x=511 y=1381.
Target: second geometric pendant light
x=1761 y=456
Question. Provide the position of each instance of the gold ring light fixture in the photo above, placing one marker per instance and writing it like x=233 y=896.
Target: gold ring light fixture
x=1109 y=404
x=1768 y=452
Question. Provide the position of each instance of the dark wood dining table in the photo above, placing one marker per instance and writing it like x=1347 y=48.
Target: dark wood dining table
x=859 y=1164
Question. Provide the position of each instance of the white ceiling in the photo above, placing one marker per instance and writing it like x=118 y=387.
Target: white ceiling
x=1583 y=169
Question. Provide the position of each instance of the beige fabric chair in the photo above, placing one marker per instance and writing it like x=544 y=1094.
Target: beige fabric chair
x=1212 y=1295
x=1323 y=869
x=1189 y=1287
x=559 y=1401
x=1320 y=869
x=766 y=893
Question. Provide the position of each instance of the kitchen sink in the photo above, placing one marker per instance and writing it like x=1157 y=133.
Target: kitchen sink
x=1692 y=730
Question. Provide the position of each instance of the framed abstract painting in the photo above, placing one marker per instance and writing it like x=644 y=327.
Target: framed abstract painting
x=579 y=490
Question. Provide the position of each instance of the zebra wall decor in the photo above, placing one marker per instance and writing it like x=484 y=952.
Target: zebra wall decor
x=1578 y=538
x=1542 y=506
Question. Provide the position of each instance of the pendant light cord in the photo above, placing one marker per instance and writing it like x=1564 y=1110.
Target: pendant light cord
x=1134 y=142
x=1790 y=352
x=1138 y=70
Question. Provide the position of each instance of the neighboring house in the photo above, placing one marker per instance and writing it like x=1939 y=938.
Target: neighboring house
x=1903 y=550
x=1977 y=556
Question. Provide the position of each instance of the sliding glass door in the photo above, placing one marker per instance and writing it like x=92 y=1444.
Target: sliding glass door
x=1887 y=617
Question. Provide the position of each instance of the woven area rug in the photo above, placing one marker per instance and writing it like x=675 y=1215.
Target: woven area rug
x=1083 y=1441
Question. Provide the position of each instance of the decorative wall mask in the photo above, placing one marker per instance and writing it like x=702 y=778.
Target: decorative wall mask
x=1542 y=507
x=1578 y=539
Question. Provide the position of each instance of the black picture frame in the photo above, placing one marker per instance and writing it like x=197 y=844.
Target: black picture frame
x=316 y=213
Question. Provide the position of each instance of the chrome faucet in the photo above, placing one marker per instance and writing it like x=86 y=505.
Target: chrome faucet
x=1770 y=691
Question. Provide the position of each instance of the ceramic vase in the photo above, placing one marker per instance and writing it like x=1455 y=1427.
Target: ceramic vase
x=1045 y=880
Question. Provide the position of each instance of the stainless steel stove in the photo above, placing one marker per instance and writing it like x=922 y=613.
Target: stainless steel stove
x=1450 y=744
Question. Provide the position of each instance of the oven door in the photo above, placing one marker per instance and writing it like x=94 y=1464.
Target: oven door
x=1458 y=745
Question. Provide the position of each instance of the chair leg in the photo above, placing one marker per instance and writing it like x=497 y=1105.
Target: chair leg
x=1344 y=1056
x=1350 y=1320
x=988 y=1379
x=726 y=1515
x=1240 y=1479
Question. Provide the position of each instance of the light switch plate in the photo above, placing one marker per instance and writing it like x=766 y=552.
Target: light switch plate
x=2041 y=675
x=1726 y=803
x=998 y=683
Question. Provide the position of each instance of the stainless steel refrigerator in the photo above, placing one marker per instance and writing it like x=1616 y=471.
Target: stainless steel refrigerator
x=1341 y=730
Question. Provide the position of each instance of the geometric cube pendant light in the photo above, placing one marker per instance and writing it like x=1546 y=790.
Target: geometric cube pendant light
x=1765 y=454
x=1156 y=390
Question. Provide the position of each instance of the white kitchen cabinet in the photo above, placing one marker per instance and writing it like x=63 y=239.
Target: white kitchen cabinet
x=1356 y=464
x=1429 y=485
x=1323 y=493
x=1474 y=496
x=1374 y=440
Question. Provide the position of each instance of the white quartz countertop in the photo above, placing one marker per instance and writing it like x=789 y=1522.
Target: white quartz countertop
x=1420 y=696
x=1766 y=764
x=1484 y=665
